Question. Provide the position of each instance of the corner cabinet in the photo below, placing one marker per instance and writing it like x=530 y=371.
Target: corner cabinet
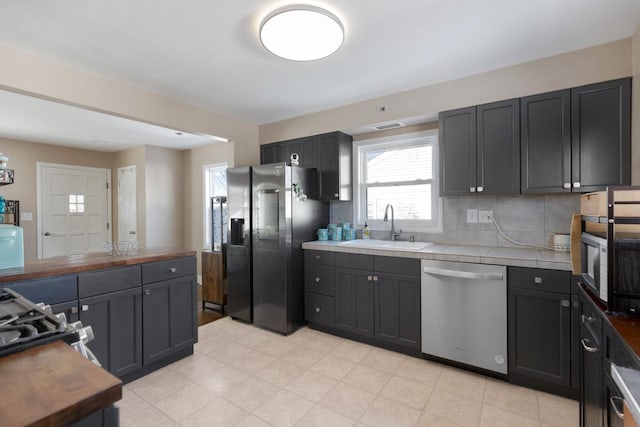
x=577 y=139
x=374 y=299
x=480 y=149
x=329 y=153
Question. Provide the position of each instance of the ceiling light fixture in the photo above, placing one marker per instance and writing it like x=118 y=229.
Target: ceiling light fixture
x=301 y=33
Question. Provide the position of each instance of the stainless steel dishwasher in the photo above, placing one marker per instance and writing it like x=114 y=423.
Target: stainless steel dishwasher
x=464 y=313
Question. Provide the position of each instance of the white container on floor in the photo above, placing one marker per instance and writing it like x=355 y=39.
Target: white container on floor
x=11 y=246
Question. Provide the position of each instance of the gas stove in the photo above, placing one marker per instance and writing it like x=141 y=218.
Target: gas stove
x=25 y=324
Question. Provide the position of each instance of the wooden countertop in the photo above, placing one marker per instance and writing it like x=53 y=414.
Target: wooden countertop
x=86 y=262
x=53 y=385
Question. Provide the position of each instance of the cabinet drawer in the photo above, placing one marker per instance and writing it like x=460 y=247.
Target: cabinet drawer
x=357 y=261
x=540 y=279
x=318 y=257
x=164 y=270
x=389 y=264
x=319 y=309
x=52 y=290
x=319 y=279
x=106 y=281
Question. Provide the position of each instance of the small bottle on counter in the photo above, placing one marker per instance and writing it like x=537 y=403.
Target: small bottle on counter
x=366 y=232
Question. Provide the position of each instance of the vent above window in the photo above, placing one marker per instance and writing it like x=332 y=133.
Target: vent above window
x=387 y=126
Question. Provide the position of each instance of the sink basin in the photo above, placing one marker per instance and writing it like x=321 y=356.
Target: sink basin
x=386 y=244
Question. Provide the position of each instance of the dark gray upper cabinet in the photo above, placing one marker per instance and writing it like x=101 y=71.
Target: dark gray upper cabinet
x=457 y=151
x=329 y=153
x=601 y=135
x=498 y=147
x=577 y=139
x=480 y=149
x=546 y=142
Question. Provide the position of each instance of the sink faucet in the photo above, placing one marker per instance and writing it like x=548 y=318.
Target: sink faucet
x=393 y=234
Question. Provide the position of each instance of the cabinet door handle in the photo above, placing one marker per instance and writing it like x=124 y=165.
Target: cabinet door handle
x=85 y=307
x=369 y=278
x=173 y=270
x=336 y=195
x=586 y=319
x=537 y=280
x=375 y=278
x=565 y=303
x=480 y=189
x=586 y=344
x=566 y=185
x=318 y=309
x=472 y=189
x=74 y=310
x=147 y=292
x=317 y=280
x=616 y=404
x=576 y=185
x=317 y=257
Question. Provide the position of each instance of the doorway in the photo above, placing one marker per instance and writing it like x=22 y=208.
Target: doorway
x=74 y=209
x=127 y=204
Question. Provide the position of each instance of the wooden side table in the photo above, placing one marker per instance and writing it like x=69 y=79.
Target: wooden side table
x=214 y=279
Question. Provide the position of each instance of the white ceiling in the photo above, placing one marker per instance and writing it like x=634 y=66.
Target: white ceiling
x=206 y=52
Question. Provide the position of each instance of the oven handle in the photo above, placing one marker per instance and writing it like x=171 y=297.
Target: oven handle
x=463 y=274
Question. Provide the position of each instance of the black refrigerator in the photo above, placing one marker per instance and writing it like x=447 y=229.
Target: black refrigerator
x=271 y=213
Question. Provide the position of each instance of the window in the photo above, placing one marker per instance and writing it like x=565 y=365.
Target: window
x=76 y=203
x=400 y=170
x=215 y=185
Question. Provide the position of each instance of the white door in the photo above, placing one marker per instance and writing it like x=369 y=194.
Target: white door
x=127 y=206
x=74 y=209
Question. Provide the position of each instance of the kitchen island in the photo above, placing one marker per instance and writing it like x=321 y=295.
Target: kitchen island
x=142 y=308
x=53 y=385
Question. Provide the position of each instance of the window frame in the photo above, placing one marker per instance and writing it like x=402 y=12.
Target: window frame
x=206 y=233
x=394 y=142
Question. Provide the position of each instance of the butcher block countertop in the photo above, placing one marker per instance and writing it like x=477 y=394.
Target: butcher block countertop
x=53 y=385
x=86 y=262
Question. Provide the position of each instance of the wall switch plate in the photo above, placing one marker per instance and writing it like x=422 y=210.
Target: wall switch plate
x=472 y=216
x=26 y=216
x=484 y=216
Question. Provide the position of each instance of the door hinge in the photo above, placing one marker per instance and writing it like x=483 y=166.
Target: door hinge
x=107 y=226
x=107 y=185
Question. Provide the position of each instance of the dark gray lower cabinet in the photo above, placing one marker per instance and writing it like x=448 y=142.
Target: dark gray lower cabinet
x=397 y=309
x=69 y=308
x=169 y=317
x=116 y=320
x=354 y=301
x=108 y=417
x=591 y=390
x=541 y=317
x=374 y=298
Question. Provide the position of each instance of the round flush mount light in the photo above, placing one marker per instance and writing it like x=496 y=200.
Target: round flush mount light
x=301 y=33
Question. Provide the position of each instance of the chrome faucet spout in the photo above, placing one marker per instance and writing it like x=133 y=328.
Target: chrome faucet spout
x=392 y=233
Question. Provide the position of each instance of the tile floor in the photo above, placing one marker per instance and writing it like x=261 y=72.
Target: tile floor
x=241 y=375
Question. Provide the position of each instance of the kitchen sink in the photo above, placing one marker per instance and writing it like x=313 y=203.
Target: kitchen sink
x=386 y=244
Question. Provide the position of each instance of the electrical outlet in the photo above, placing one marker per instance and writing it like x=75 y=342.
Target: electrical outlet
x=484 y=217
x=472 y=216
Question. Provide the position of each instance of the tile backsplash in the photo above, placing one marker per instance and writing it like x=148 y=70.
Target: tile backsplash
x=527 y=219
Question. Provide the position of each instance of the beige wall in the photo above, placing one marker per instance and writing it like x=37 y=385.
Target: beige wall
x=193 y=162
x=32 y=74
x=635 y=111
x=132 y=157
x=23 y=157
x=605 y=62
x=164 y=192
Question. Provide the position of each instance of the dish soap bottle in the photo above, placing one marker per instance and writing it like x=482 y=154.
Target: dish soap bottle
x=366 y=232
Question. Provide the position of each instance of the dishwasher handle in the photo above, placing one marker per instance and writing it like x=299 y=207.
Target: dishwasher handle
x=463 y=274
